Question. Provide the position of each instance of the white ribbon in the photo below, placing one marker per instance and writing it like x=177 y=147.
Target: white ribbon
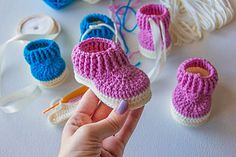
x=98 y=26
x=31 y=28
x=157 y=33
x=210 y=14
x=23 y=96
x=183 y=28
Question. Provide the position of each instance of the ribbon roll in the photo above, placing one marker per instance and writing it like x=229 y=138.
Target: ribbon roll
x=30 y=28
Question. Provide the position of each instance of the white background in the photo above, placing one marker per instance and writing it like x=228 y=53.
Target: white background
x=28 y=134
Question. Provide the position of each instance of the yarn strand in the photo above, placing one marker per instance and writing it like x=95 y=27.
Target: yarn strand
x=122 y=23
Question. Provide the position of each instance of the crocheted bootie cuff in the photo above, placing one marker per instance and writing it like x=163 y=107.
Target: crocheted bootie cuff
x=156 y=12
x=93 y=19
x=197 y=76
x=94 y=56
x=42 y=50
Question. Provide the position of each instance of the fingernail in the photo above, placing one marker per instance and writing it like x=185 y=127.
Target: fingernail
x=122 y=108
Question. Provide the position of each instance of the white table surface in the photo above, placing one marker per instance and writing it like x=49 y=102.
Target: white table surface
x=28 y=134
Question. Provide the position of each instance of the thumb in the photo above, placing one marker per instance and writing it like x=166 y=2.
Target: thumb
x=113 y=123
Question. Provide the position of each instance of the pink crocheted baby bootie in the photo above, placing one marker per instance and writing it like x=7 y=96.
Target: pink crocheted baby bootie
x=191 y=99
x=102 y=65
x=159 y=14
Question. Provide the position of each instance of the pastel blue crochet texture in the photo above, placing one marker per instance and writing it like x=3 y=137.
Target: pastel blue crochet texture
x=44 y=59
x=58 y=4
x=93 y=19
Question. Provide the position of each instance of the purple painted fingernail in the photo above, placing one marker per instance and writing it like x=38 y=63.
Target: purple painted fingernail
x=122 y=108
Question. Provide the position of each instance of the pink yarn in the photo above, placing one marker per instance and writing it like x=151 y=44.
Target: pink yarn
x=158 y=13
x=192 y=95
x=105 y=63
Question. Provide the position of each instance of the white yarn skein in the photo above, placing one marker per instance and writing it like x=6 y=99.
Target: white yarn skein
x=183 y=28
x=224 y=7
x=212 y=14
x=190 y=18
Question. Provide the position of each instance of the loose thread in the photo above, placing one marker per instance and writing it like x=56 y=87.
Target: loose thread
x=122 y=23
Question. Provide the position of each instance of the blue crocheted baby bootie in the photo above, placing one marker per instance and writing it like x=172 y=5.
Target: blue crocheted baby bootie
x=94 y=19
x=46 y=64
x=58 y=4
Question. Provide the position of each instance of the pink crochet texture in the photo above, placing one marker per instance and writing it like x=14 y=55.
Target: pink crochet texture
x=102 y=65
x=158 y=13
x=192 y=95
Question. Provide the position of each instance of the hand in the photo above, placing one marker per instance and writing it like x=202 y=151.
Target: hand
x=95 y=130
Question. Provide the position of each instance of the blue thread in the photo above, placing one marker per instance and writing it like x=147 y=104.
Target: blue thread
x=137 y=64
x=93 y=19
x=58 y=4
x=44 y=59
x=122 y=23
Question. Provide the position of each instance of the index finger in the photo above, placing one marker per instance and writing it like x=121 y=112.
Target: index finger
x=88 y=104
x=130 y=124
x=82 y=115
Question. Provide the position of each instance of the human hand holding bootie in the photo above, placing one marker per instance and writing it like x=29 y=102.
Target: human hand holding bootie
x=90 y=133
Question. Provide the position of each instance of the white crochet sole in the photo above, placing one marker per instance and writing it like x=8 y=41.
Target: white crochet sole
x=62 y=115
x=134 y=102
x=149 y=53
x=56 y=82
x=188 y=121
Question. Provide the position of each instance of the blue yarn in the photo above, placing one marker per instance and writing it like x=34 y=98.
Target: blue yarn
x=122 y=22
x=137 y=64
x=102 y=32
x=44 y=59
x=58 y=4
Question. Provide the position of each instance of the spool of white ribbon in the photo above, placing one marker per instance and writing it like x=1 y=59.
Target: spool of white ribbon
x=30 y=28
